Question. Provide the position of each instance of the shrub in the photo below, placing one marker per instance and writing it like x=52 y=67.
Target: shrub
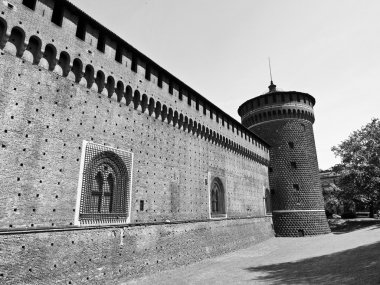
x=348 y=215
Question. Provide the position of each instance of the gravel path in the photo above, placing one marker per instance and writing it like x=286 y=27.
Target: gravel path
x=337 y=258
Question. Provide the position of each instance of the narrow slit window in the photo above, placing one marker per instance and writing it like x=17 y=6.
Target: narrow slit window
x=293 y=164
x=296 y=187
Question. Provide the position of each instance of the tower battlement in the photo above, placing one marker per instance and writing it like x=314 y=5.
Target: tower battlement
x=277 y=105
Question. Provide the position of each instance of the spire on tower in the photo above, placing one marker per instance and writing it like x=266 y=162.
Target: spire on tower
x=272 y=87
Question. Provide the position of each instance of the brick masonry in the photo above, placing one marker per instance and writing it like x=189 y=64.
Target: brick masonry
x=285 y=120
x=179 y=141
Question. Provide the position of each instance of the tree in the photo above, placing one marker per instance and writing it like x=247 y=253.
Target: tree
x=360 y=167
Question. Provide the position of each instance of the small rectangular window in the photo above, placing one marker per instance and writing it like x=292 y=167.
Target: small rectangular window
x=58 y=10
x=270 y=169
x=141 y=205
x=291 y=145
x=81 y=29
x=296 y=187
x=293 y=164
x=222 y=121
x=101 y=42
x=217 y=118
x=31 y=4
x=188 y=99
x=197 y=104
x=180 y=92
x=204 y=109
x=211 y=116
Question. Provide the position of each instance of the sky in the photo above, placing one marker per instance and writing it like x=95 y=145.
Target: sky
x=329 y=49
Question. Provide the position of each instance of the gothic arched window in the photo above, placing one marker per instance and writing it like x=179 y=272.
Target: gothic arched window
x=217 y=200
x=105 y=192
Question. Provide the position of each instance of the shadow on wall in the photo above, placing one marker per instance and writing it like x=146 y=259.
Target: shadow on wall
x=355 y=266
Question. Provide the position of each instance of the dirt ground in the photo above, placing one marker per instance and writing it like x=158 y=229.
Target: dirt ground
x=349 y=255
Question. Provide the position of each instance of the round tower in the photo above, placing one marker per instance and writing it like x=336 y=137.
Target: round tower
x=285 y=120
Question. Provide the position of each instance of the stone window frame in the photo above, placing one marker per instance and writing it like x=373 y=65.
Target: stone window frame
x=222 y=181
x=98 y=219
x=266 y=191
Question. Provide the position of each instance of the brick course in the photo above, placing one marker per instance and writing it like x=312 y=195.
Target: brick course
x=46 y=114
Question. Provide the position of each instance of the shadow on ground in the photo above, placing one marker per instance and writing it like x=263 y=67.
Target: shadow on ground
x=353 y=225
x=360 y=265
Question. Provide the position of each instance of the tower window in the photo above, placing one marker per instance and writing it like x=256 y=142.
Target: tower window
x=293 y=164
x=270 y=169
x=291 y=145
x=296 y=187
x=141 y=205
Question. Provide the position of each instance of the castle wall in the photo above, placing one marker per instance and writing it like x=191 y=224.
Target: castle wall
x=48 y=109
x=114 y=255
x=45 y=119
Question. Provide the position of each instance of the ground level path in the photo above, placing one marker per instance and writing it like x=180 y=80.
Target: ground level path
x=345 y=257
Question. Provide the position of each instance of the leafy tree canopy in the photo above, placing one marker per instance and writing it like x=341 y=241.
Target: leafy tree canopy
x=360 y=167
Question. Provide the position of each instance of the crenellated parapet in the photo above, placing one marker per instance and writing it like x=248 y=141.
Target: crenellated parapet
x=277 y=105
x=57 y=36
